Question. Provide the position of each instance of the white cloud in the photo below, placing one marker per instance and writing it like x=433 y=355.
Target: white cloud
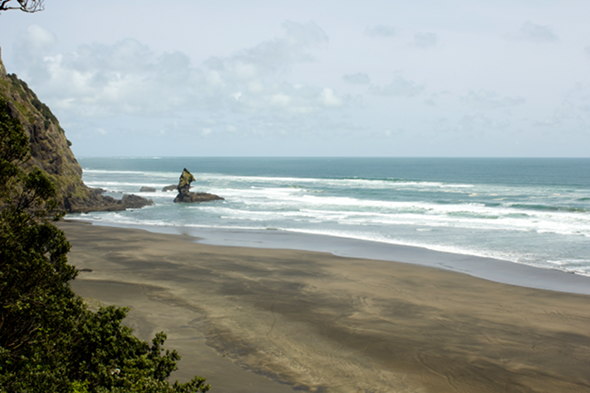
x=273 y=56
x=280 y=99
x=485 y=99
x=304 y=33
x=383 y=31
x=328 y=98
x=533 y=32
x=425 y=40
x=379 y=69
x=126 y=77
x=398 y=87
x=572 y=113
x=39 y=38
x=129 y=80
x=358 y=78
x=261 y=73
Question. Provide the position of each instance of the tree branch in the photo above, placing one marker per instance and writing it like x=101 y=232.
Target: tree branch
x=24 y=5
x=3 y=5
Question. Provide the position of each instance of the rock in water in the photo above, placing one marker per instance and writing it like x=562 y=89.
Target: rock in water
x=131 y=201
x=184 y=195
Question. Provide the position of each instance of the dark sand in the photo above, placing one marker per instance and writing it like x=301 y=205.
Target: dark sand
x=260 y=320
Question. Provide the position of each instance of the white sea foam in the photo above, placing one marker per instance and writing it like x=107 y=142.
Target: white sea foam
x=109 y=172
x=118 y=184
x=330 y=182
x=403 y=242
x=545 y=226
x=468 y=215
x=279 y=201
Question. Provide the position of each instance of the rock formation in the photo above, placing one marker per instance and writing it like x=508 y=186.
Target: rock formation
x=184 y=195
x=50 y=150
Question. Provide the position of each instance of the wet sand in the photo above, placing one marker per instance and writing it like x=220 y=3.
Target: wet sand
x=262 y=320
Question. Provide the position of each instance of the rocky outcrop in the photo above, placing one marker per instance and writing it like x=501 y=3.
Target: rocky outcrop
x=186 y=196
x=197 y=197
x=50 y=150
x=147 y=189
x=98 y=202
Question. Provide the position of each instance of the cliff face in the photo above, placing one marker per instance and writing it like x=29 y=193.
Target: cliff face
x=50 y=150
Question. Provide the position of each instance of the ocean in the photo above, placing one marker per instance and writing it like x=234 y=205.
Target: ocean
x=532 y=211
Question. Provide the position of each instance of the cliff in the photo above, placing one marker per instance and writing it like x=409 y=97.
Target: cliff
x=50 y=150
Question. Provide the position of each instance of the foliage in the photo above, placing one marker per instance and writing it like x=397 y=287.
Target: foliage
x=13 y=147
x=49 y=340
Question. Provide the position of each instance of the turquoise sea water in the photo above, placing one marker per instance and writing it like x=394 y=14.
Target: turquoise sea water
x=529 y=211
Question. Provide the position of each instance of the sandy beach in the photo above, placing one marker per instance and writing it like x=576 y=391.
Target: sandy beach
x=261 y=320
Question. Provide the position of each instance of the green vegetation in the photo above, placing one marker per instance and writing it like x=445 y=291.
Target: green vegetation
x=49 y=340
x=26 y=94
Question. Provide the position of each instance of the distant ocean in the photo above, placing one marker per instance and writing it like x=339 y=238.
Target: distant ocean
x=528 y=211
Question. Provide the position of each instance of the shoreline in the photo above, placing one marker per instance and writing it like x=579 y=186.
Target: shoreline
x=276 y=320
x=496 y=270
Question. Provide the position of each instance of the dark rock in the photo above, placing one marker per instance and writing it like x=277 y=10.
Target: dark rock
x=197 y=197
x=171 y=187
x=147 y=189
x=107 y=203
x=186 y=196
x=131 y=201
x=184 y=182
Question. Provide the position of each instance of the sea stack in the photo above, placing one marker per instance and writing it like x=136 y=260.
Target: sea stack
x=184 y=195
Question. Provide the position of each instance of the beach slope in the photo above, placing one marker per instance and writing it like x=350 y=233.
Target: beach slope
x=259 y=320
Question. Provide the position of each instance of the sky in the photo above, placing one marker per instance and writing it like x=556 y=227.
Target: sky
x=456 y=78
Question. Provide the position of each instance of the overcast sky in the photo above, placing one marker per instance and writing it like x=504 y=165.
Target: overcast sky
x=310 y=78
